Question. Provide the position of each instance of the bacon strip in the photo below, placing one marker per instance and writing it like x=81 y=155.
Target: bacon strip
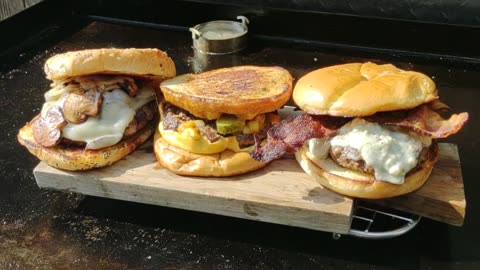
x=423 y=119
x=289 y=136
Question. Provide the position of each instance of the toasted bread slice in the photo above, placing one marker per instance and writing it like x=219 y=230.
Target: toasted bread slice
x=245 y=91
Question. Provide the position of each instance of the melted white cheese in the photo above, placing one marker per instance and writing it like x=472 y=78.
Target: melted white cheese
x=117 y=111
x=318 y=147
x=391 y=154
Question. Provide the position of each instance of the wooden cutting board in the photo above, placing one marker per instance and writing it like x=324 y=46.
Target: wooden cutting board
x=279 y=193
x=442 y=197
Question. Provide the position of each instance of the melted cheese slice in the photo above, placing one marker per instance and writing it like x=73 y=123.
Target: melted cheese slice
x=106 y=129
x=190 y=139
x=391 y=154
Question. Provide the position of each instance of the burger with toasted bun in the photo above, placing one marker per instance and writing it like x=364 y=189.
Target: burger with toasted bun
x=100 y=107
x=212 y=120
x=368 y=130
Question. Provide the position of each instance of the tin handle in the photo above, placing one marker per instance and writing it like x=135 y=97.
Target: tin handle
x=195 y=33
x=244 y=20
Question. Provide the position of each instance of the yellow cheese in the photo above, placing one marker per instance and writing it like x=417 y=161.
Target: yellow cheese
x=254 y=125
x=189 y=139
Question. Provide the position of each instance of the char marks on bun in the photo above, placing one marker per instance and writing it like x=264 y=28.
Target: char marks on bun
x=212 y=120
x=368 y=130
x=100 y=108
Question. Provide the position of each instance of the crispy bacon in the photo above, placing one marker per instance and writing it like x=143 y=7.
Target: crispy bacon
x=423 y=119
x=439 y=106
x=288 y=136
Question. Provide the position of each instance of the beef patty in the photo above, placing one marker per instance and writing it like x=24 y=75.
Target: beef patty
x=350 y=158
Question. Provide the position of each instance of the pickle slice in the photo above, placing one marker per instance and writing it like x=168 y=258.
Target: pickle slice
x=228 y=124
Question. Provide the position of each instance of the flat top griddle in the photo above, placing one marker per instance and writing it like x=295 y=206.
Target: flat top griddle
x=46 y=229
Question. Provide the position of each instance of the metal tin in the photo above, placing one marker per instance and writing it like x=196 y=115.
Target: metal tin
x=201 y=62
x=220 y=37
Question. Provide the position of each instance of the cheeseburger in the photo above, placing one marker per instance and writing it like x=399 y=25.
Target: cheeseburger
x=100 y=107
x=368 y=131
x=211 y=121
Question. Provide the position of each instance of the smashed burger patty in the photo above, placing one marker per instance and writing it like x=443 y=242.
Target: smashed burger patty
x=349 y=157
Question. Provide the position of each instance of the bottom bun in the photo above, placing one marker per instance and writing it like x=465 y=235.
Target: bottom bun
x=226 y=163
x=78 y=158
x=360 y=185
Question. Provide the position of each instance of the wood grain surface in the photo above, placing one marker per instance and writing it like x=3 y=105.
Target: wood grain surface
x=280 y=193
x=442 y=197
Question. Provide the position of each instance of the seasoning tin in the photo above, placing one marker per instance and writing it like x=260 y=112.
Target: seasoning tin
x=220 y=37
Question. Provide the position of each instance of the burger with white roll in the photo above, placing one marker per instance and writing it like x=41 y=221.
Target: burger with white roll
x=368 y=130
